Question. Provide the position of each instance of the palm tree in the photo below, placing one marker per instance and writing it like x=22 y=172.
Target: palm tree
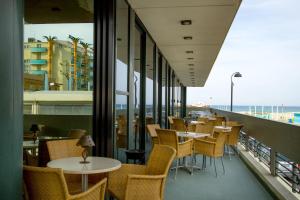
x=75 y=41
x=85 y=61
x=50 y=40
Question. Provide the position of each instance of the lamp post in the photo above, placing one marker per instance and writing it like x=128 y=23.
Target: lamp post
x=238 y=75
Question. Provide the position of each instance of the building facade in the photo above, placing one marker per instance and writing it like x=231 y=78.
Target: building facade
x=49 y=65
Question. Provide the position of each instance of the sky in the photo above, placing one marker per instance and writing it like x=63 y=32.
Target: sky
x=263 y=44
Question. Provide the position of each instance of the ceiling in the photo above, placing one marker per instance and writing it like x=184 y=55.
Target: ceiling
x=211 y=20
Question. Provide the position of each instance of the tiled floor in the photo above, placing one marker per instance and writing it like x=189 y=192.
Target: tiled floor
x=238 y=183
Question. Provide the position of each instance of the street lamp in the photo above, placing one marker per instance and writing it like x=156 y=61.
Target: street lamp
x=238 y=75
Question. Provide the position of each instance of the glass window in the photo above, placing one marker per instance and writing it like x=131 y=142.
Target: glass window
x=122 y=46
x=149 y=80
x=121 y=81
x=121 y=109
x=163 y=95
x=58 y=70
x=137 y=85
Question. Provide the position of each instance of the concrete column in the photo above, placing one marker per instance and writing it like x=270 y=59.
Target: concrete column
x=11 y=90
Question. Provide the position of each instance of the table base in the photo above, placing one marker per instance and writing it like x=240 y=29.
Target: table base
x=84 y=182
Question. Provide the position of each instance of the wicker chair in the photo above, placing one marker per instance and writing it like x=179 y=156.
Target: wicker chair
x=76 y=133
x=171 y=122
x=178 y=124
x=145 y=182
x=233 y=136
x=151 y=129
x=213 y=147
x=204 y=128
x=49 y=184
x=203 y=119
x=169 y=137
x=219 y=120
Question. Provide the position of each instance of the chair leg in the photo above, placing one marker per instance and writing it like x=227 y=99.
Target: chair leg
x=177 y=163
x=223 y=165
x=192 y=164
x=229 y=152
x=210 y=158
x=215 y=167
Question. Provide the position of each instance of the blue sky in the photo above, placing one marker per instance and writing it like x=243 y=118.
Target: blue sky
x=264 y=45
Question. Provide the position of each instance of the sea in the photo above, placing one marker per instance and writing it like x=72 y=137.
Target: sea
x=260 y=109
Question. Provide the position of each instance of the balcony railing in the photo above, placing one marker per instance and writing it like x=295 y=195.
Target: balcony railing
x=275 y=144
x=38 y=49
x=38 y=62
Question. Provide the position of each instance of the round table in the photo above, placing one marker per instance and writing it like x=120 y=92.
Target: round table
x=223 y=128
x=96 y=165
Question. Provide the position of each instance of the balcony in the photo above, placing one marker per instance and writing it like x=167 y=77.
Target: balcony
x=38 y=62
x=238 y=182
x=38 y=72
x=38 y=49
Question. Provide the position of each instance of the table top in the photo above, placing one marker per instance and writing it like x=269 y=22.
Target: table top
x=72 y=165
x=192 y=134
x=30 y=144
x=223 y=128
x=196 y=122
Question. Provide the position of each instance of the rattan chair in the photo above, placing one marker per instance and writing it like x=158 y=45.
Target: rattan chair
x=204 y=128
x=151 y=129
x=145 y=182
x=184 y=149
x=171 y=122
x=213 y=147
x=49 y=184
x=178 y=124
x=233 y=136
x=219 y=120
x=203 y=119
x=76 y=133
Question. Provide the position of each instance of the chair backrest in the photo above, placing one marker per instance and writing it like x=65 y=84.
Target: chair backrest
x=170 y=119
x=219 y=120
x=178 y=124
x=63 y=148
x=233 y=136
x=45 y=183
x=160 y=160
x=203 y=119
x=220 y=141
x=204 y=128
x=151 y=129
x=167 y=137
x=76 y=133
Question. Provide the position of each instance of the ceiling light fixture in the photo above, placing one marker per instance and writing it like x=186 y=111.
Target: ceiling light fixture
x=189 y=51
x=190 y=58
x=191 y=64
x=187 y=37
x=186 y=22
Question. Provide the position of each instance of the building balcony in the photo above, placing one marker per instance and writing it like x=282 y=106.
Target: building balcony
x=38 y=62
x=38 y=72
x=38 y=49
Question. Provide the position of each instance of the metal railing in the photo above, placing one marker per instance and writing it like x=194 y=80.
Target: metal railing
x=275 y=144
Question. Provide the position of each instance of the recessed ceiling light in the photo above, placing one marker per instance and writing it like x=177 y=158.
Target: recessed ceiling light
x=187 y=37
x=186 y=22
x=119 y=39
x=191 y=64
x=55 y=9
x=189 y=51
x=190 y=58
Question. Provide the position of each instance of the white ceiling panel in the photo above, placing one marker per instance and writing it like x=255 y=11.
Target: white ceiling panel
x=211 y=20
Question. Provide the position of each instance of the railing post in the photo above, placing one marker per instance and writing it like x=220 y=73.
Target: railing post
x=295 y=177
x=247 y=142
x=273 y=162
